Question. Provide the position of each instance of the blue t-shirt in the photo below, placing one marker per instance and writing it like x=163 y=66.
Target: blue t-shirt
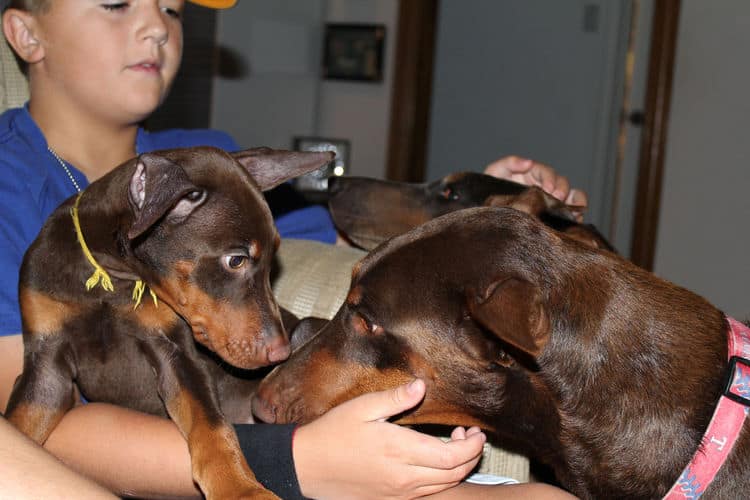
x=33 y=184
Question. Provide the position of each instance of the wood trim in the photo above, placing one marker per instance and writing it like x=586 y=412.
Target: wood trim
x=412 y=90
x=654 y=134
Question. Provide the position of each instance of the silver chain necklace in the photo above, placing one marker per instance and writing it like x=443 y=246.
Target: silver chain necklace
x=65 y=167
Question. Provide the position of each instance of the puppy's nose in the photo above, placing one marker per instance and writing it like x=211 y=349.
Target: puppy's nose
x=278 y=350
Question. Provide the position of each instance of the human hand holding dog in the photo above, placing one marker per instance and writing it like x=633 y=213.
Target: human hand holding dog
x=531 y=173
x=353 y=452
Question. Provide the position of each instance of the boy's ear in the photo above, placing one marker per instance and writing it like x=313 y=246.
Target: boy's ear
x=19 y=28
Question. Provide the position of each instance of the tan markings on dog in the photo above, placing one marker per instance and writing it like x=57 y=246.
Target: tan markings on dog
x=231 y=332
x=255 y=249
x=354 y=296
x=276 y=242
x=499 y=200
x=44 y=315
x=440 y=413
x=155 y=318
x=454 y=177
x=325 y=387
x=182 y=271
x=35 y=421
x=356 y=270
x=216 y=460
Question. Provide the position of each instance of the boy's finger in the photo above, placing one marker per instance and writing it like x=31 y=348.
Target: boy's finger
x=428 y=451
x=381 y=405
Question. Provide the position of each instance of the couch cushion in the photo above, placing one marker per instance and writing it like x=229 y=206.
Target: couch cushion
x=313 y=278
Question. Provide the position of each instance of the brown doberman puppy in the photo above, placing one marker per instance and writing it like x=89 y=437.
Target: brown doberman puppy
x=369 y=211
x=189 y=227
x=566 y=353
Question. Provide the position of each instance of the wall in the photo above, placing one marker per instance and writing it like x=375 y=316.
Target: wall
x=273 y=90
x=534 y=78
x=703 y=239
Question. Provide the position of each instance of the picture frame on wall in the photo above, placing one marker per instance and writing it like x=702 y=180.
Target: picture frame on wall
x=315 y=184
x=353 y=52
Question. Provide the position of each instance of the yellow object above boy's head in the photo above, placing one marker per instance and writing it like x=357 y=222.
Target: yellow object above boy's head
x=212 y=4
x=215 y=4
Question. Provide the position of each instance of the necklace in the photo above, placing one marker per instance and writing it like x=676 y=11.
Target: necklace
x=65 y=167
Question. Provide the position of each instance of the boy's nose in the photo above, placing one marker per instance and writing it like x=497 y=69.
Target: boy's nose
x=153 y=25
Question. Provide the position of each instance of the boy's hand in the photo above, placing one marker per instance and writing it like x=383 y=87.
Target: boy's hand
x=353 y=452
x=531 y=173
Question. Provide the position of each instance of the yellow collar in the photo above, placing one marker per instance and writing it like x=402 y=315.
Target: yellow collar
x=100 y=274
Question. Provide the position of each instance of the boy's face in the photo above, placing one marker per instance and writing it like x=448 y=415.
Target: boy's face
x=112 y=56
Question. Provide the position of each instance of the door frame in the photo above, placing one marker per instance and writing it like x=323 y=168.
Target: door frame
x=412 y=94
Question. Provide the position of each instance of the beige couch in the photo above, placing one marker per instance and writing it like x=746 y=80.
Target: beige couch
x=313 y=278
x=13 y=89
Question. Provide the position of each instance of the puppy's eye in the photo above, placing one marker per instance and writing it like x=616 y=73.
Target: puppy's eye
x=234 y=262
x=364 y=326
x=502 y=360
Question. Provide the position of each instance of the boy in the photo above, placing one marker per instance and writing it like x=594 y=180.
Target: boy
x=96 y=69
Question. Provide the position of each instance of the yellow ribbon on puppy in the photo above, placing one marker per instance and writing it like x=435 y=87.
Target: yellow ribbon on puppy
x=100 y=275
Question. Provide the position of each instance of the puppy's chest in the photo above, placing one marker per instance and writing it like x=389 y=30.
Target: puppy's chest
x=110 y=347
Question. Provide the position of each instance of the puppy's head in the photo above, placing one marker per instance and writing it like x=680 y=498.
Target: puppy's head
x=370 y=211
x=202 y=237
x=460 y=302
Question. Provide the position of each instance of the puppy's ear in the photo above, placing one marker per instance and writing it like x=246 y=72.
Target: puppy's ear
x=158 y=188
x=535 y=201
x=512 y=309
x=270 y=167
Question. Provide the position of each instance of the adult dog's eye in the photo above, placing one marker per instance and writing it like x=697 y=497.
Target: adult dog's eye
x=234 y=262
x=195 y=195
x=449 y=194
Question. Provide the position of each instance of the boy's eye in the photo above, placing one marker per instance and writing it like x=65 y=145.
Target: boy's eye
x=115 y=6
x=172 y=12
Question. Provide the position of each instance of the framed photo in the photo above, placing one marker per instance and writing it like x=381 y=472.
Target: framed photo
x=353 y=52
x=315 y=183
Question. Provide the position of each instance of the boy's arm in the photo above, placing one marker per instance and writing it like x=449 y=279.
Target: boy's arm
x=30 y=472
x=128 y=452
x=350 y=452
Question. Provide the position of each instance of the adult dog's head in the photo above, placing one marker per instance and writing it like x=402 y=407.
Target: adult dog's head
x=549 y=343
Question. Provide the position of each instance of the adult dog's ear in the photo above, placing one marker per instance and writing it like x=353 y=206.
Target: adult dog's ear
x=513 y=310
x=160 y=187
x=270 y=167
x=535 y=201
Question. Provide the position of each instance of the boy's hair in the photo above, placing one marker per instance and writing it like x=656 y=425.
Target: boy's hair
x=28 y=5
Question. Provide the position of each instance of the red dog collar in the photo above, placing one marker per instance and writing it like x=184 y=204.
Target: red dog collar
x=726 y=423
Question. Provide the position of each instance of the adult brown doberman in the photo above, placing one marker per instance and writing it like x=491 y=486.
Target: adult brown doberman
x=369 y=211
x=189 y=232
x=566 y=353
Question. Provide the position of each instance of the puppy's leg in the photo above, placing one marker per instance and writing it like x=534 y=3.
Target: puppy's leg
x=189 y=395
x=44 y=391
